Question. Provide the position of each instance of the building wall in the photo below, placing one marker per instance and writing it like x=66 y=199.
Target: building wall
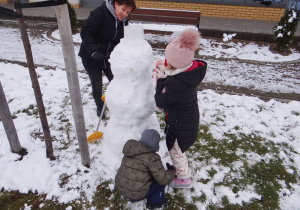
x=5 y=1
x=206 y=9
x=219 y=10
x=74 y=3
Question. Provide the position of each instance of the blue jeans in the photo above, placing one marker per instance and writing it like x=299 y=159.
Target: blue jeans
x=156 y=194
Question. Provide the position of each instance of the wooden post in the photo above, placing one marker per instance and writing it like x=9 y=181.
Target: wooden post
x=36 y=86
x=8 y=124
x=63 y=21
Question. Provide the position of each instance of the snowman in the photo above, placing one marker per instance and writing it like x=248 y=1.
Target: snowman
x=130 y=95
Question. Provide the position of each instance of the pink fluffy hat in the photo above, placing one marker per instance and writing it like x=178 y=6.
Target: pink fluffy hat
x=180 y=52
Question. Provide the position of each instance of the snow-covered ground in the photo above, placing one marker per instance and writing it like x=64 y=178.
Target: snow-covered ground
x=276 y=121
x=238 y=64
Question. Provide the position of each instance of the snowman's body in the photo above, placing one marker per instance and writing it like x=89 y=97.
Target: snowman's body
x=130 y=95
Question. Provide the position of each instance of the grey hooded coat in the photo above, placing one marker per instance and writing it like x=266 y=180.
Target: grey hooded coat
x=140 y=165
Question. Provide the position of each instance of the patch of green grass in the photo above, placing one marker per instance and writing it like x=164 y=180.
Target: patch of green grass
x=245 y=206
x=66 y=102
x=251 y=162
x=225 y=201
x=104 y=87
x=265 y=172
x=265 y=124
x=264 y=176
x=219 y=116
x=67 y=128
x=225 y=149
x=261 y=108
x=17 y=200
x=178 y=201
x=104 y=197
x=212 y=172
x=161 y=118
x=201 y=198
x=31 y=110
x=219 y=119
x=37 y=134
x=63 y=180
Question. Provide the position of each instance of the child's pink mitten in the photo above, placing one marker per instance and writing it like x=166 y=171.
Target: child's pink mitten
x=158 y=63
x=160 y=73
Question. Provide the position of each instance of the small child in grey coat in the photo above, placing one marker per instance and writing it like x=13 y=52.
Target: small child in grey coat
x=142 y=174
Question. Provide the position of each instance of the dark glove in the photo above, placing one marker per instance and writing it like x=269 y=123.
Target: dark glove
x=170 y=167
x=97 y=56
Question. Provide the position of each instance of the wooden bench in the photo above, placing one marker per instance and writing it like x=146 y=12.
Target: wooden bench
x=185 y=17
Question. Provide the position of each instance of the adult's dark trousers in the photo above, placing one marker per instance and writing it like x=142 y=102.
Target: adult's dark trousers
x=94 y=71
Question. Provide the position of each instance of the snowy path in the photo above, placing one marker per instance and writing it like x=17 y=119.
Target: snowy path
x=283 y=77
x=263 y=76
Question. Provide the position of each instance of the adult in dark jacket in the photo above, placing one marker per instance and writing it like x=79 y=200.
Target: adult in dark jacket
x=141 y=174
x=101 y=32
x=176 y=93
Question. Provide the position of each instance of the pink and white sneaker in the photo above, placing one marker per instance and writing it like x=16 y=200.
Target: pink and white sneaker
x=181 y=183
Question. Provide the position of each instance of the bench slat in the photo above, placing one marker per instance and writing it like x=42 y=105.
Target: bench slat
x=175 y=13
x=166 y=16
x=165 y=19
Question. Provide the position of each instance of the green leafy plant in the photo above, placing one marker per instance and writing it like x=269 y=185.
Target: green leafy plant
x=285 y=29
x=73 y=18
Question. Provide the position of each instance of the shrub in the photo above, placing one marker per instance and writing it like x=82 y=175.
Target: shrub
x=285 y=29
x=73 y=18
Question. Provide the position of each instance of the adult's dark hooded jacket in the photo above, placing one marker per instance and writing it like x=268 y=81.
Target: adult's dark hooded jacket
x=140 y=165
x=101 y=32
x=177 y=95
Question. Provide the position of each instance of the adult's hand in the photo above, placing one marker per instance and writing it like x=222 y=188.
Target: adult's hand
x=97 y=56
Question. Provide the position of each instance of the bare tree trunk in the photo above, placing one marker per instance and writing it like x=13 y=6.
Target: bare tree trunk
x=36 y=87
x=9 y=124
x=63 y=21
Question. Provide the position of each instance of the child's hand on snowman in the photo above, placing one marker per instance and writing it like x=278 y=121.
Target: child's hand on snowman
x=159 y=65
x=156 y=75
x=159 y=71
x=160 y=74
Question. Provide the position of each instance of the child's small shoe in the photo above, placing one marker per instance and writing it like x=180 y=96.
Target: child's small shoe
x=156 y=205
x=181 y=183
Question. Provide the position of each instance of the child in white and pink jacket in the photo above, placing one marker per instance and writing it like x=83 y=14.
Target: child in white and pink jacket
x=176 y=92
